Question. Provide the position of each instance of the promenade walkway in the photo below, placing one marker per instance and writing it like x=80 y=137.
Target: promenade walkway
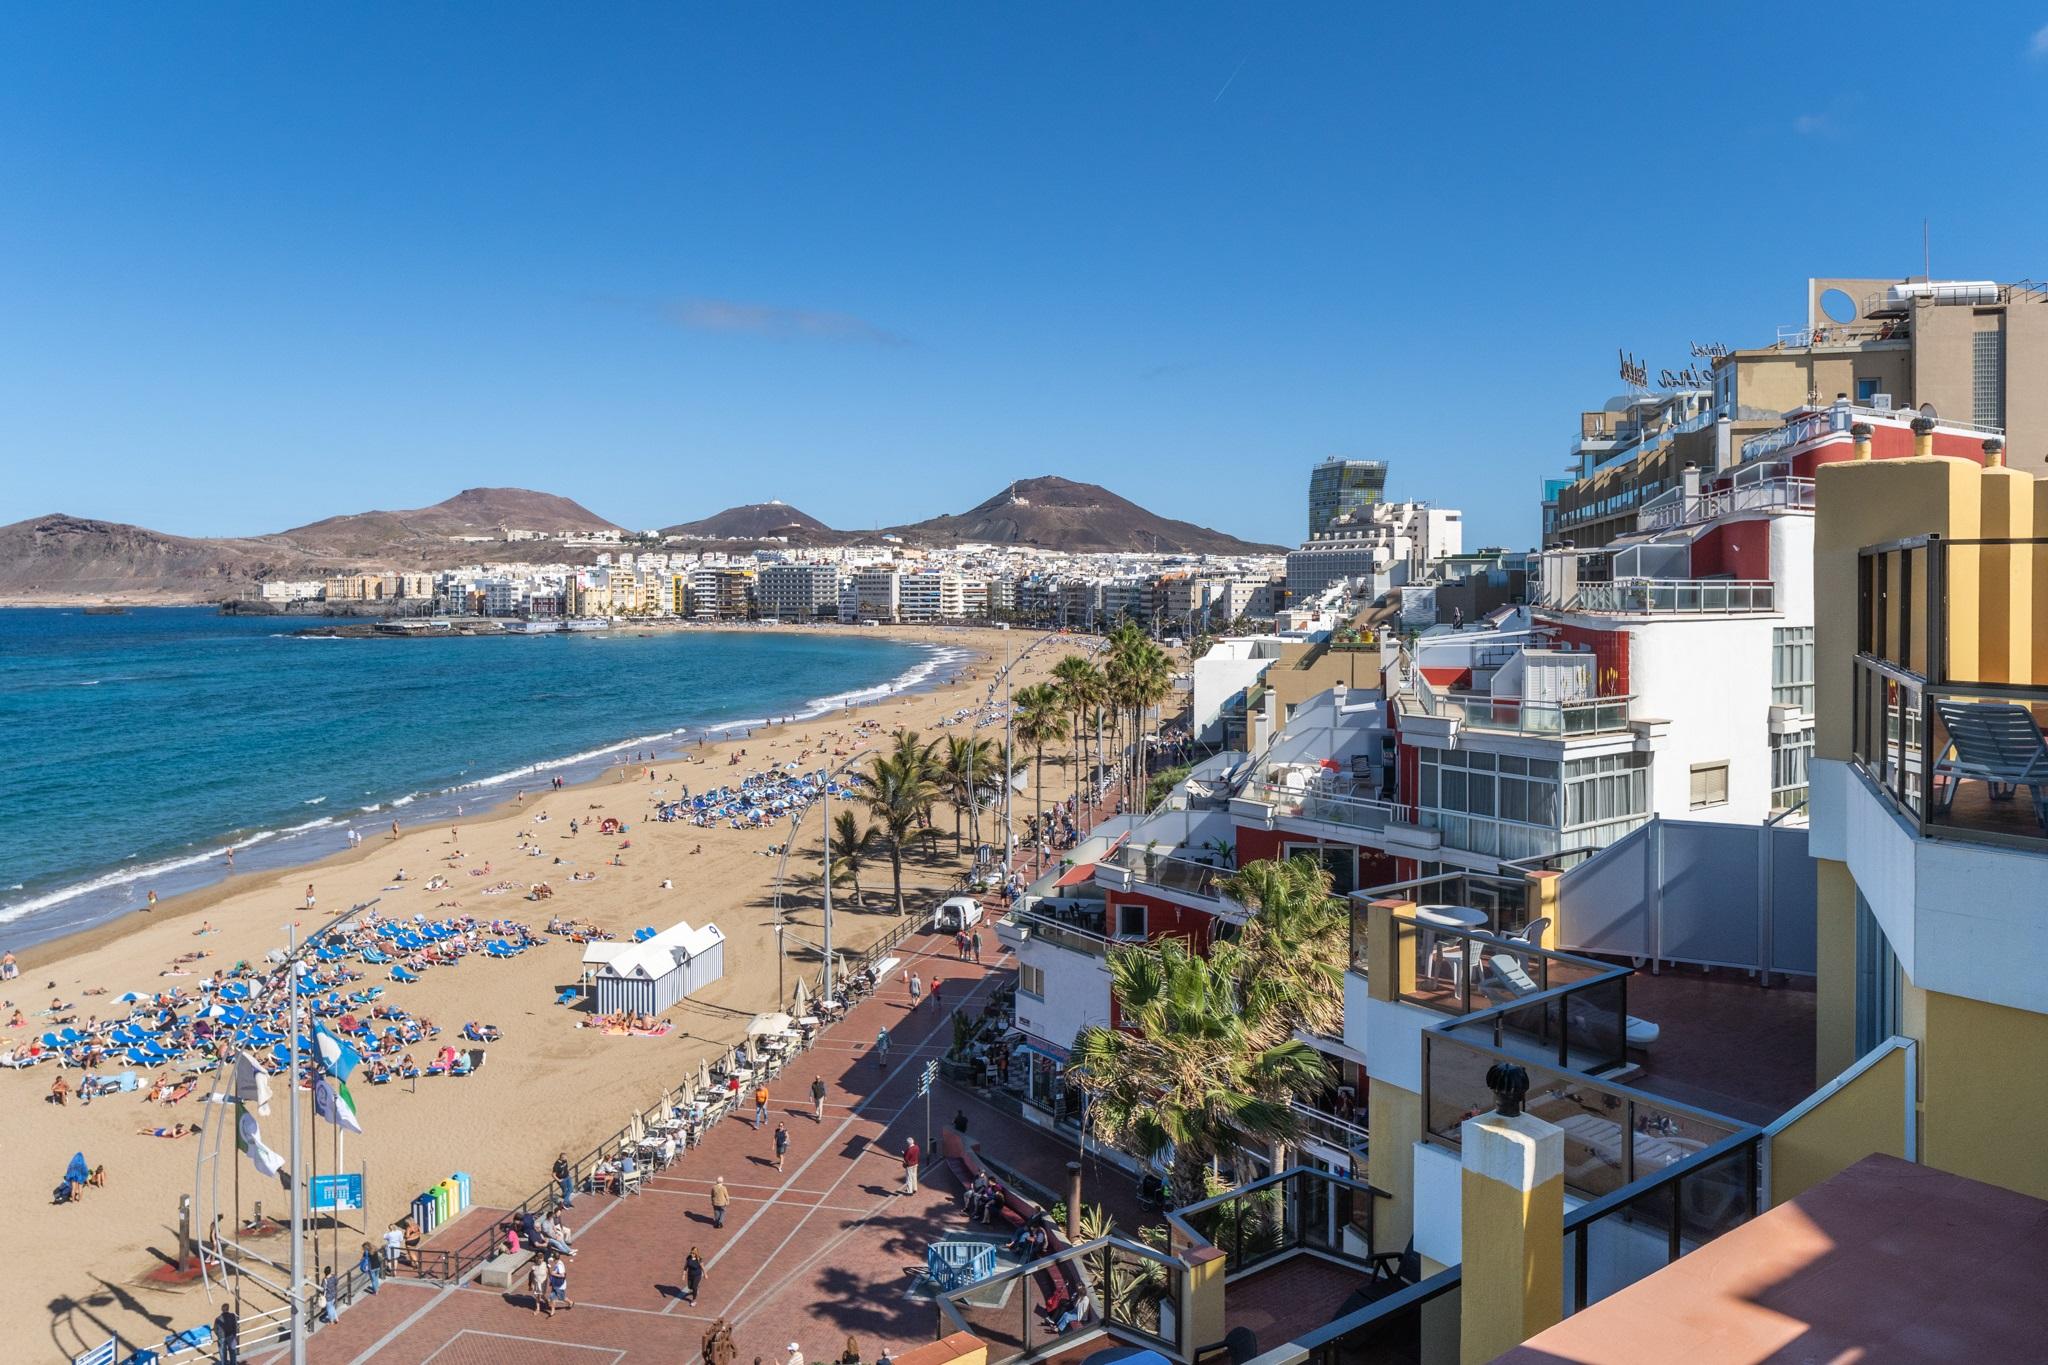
x=824 y=1249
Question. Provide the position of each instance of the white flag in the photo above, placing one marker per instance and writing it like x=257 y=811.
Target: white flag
x=249 y=1138
x=333 y=1103
x=252 y=1083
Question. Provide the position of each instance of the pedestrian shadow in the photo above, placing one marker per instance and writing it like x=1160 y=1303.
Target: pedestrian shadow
x=767 y=1161
x=672 y=1291
x=697 y=1217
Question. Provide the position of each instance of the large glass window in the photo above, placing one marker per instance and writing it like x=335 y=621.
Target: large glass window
x=1792 y=667
x=1499 y=805
x=1605 y=797
x=1789 y=757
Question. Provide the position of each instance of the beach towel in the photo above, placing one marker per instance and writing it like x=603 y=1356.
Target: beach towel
x=77 y=1172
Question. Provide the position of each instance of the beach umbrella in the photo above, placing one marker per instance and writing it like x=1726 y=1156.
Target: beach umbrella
x=704 y=1074
x=130 y=997
x=766 y=1024
x=803 y=996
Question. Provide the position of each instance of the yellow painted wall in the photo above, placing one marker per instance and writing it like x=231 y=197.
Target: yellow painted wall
x=1396 y=1118
x=1981 y=1092
x=1521 y=1263
x=1834 y=1006
x=1866 y=1115
x=1868 y=503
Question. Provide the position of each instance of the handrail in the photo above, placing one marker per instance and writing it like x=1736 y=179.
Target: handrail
x=1677 y=596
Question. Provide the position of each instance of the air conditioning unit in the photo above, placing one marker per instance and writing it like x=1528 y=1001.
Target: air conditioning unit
x=1881 y=401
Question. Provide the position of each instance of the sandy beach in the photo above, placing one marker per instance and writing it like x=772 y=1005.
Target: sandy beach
x=548 y=1085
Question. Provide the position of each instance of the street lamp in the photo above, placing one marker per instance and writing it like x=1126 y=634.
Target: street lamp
x=779 y=996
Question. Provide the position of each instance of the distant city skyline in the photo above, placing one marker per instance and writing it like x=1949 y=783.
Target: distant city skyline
x=258 y=268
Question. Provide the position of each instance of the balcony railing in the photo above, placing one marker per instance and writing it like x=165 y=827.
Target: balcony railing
x=1340 y=1133
x=1170 y=872
x=1586 y=716
x=1128 y=1290
x=1960 y=757
x=1350 y=811
x=1614 y=1135
x=1677 y=596
x=1503 y=899
x=1076 y=931
x=1269 y=1220
x=1671 y=508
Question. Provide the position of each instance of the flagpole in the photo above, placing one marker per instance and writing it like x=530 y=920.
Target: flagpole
x=298 y=1256
x=828 y=884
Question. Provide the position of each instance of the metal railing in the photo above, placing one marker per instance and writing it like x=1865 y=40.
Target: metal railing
x=1655 y=596
x=1622 y=1237
x=1418 y=1322
x=1614 y=1134
x=1671 y=508
x=1584 y=716
x=1170 y=872
x=1123 y=1288
x=1350 y=811
x=1069 y=933
x=1296 y=1210
x=1340 y=1133
x=1953 y=754
x=1538 y=1009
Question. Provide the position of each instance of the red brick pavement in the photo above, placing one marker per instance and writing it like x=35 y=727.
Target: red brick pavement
x=824 y=1249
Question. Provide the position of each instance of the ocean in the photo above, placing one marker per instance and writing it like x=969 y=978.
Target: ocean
x=139 y=746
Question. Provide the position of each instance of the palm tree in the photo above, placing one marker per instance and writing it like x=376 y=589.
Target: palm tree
x=966 y=766
x=1140 y=675
x=899 y=794
x=1197 y=1063
x=1079 y=682
x=851 y=848
x=1292 y=950
x=1038 y=719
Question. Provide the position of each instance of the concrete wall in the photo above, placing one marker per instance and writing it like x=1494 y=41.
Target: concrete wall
x=1868 y=1113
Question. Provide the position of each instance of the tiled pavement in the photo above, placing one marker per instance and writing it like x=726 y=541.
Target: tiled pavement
x=824 y=1249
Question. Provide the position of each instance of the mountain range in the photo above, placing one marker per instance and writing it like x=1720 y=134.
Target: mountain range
x=65 y=558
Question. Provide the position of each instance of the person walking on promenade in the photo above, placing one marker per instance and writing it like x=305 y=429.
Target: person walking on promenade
x=781 y=1145
x=693 y=1273
x=818 y=1099
x=936 y=983
x=720 y=1197
x=910 y=1161
x=760 y=1104
x=368 y=1265
x=975 y=943
x=882 y=1046
x=558 y=1281
x=916 y=989
x=796 y=1355
x=227 y=1330
x=717 y=1345
x=537 y=1287
x=565 y=1180
x=330 y=1290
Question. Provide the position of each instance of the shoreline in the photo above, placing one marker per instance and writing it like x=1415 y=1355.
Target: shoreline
x=270 y=850
x=553 y=1081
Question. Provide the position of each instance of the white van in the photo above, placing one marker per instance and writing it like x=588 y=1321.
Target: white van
x=956 y=913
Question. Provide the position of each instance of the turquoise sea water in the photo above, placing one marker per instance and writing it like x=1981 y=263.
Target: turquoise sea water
x=138 y=746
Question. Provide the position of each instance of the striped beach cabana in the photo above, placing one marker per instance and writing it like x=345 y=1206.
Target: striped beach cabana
x=649 y=976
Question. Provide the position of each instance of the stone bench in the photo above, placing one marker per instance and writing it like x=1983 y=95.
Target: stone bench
x=503 y=1272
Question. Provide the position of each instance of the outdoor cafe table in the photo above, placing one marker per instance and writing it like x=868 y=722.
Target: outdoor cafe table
x=1450 y=917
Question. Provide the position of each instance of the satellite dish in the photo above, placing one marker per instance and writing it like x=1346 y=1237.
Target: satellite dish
x=1927 y=411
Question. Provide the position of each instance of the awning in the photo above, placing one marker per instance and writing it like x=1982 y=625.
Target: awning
x=1050 y=1051
x=1074 y=876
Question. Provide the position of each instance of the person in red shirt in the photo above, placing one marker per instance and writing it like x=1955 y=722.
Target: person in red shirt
x=910 y=1163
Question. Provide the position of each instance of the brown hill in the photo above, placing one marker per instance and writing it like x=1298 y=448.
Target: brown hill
x=757 y=521
x=472 y=512
x=1060 y=514
x=67 y=558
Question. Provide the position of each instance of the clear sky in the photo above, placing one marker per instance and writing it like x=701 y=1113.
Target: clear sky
x=262 y=264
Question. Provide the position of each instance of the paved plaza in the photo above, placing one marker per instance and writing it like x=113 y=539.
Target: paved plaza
x=827 y=1248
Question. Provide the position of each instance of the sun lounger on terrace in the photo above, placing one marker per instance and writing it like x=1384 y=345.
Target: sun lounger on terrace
x=1996 y=743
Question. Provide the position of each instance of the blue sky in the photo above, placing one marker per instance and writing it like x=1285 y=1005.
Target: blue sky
x=259 y=265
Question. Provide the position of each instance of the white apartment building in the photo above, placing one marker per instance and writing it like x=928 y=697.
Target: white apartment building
x=797 y=592
x=870 y=592
x=928 y=596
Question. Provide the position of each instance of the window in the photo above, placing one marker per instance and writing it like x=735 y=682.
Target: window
x=1789 y=756
x=1792 y=667
x=1130 y=921
x=1341 y=861
x=1866 y=389
x=1498 y=805
x=1031 y=981
x=1987 y=377
x=1709 y=785
x=1605 y=797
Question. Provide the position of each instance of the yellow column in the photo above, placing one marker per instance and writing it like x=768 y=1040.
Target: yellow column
x=1543 y=888
x=1389 y=950
x=1396 y=1117
x=1834 y=988
x=1513 y=1233
x=2006 y=590
x=1202 y=1296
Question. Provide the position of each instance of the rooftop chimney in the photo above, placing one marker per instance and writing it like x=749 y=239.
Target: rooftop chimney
x=1723 y=442
x=1994 y=453
x=1923 y=435
x=1861 y=431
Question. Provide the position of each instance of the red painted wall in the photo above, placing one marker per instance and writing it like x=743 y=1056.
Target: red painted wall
x=1163 y=919
x=1886 y=443
x=1448 y=677
x=1735 y=549
x=1610 y=654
